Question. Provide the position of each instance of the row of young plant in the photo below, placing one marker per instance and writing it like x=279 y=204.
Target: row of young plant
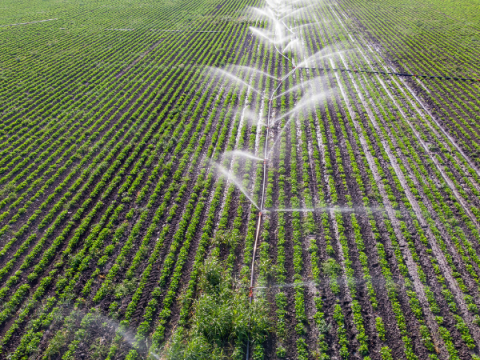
x=137 y=101
x=430 y=36
x=105 y=76
x=445 y=223
x=76 y=65
x=449 y=230
x=281 y=299
x=129 y=271
x=325 y=194
x=98 y=244
x=47 y=113
x=176 y=272
x=157 y=110
x=159 y=334
x=449 y=193
x=358 y=180
x=47 y=255
x=467 y=164
x=252 y=181
x=223 y=238
x=358 y=321
x=459 y=173
x=96 y=172
x=384 y=350
x=282 y=275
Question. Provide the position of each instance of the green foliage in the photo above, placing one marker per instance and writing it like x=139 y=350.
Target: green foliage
x=222 y=319
x=386 y=353
x=380 y=328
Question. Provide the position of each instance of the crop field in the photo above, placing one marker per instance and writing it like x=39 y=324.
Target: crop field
x=240 y=179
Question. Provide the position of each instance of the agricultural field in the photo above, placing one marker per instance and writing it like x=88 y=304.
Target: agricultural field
x=240 y=179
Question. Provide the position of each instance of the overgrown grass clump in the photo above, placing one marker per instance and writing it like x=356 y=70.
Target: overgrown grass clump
x=222 y=319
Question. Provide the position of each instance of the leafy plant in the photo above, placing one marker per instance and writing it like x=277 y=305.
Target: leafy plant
x=222 y=318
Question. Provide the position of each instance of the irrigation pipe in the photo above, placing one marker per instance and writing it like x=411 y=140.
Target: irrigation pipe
x=259 y=223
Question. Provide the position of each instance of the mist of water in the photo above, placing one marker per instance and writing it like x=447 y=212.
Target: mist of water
x=278 y=38
x=278 y=7
x=243 y=154
x=249 y=70
x=279 y=136
x=304 y=25
x=325 y=53
x=293 y=45
x=377 y=281
x=235 y=181
x=267 y=12
x=252 y=117
x=295 y=12
x=305 y=102
x=233 y=78
x=306 y=84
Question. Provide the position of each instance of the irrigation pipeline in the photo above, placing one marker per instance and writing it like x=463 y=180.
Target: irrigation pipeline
x=259 y=223
x=262 y=202
x=392 y=73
